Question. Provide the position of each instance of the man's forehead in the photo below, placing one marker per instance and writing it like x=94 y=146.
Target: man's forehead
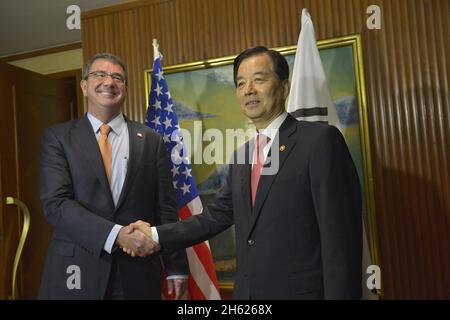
x=265 y=72
x=106 y=63
x=261 y=63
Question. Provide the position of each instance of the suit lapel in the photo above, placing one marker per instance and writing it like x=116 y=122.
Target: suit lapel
x=285 y=146
x=136 y=139
x=84 y=136
x=244 y=173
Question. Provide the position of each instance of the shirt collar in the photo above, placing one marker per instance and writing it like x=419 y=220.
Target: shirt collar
x=272 y=129
x=117 y=124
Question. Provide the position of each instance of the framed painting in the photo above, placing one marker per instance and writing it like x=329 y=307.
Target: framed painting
x=203 y=95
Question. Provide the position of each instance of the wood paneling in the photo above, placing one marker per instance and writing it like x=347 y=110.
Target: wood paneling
x=407 y=68
x=42 y=52
x=30 y=102
x=9 y=216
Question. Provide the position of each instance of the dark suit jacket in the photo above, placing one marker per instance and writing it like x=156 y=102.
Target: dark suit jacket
x=303 y=238
x=78 y=203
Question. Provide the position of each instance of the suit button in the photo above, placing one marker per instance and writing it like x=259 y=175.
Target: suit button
x=251 y=242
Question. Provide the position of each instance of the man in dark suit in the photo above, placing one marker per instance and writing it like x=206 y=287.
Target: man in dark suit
x=299 y=229
x=99 y=174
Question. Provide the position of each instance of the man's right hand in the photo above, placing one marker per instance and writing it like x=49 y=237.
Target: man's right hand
x=142 y=226
x=135 y=242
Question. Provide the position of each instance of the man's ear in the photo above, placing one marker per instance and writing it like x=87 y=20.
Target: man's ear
x=286 y=85
x=83 y=86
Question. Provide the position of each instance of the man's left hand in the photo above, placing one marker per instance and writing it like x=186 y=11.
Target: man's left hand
x=179 y=286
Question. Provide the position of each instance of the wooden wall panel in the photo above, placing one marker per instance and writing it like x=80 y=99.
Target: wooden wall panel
x=407 y=82
x=30 y=102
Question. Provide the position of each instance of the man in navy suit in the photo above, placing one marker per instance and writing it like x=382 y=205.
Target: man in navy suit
x=298 y=231
x=99 y=174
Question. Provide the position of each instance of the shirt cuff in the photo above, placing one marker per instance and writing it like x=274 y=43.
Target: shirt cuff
x=178 y=276
x=112 y=238
x=155 y=236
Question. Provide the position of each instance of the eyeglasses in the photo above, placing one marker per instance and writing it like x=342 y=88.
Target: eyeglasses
x=102 y=75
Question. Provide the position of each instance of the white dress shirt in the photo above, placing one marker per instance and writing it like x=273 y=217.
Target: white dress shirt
x=119 y=138
x=270 y=131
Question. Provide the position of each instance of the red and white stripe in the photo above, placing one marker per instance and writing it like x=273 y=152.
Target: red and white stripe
x=202 y=279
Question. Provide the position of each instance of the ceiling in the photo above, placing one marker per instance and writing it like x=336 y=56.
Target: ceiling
x=29 y=25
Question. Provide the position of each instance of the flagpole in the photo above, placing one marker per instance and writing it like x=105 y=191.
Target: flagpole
x=156 y=53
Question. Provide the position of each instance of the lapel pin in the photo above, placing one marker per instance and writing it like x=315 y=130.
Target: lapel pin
x=139 y=135
x=282 y=147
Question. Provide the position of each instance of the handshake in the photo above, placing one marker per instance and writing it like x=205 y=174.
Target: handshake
x=136 y=239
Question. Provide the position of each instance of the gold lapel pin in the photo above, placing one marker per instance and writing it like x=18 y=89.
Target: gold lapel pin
x=139 y=135
x=282 y=147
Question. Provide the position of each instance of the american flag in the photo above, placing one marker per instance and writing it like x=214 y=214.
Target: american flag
x=161 y=117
